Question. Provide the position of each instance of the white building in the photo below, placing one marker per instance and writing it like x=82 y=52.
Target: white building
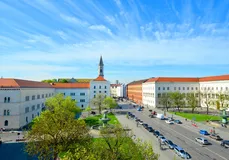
x=21 y=101
x=154 y=88
x=117 y=90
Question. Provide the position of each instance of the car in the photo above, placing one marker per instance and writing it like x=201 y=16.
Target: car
x=170 y=144
x=179 y=151
x=145 y=125
x=151 y=116
x=139 y=109
x=225 y=143
x=215 y=136
x=204 y=132
x=141 y=122
x=150 y=129
x=156 y=133
x=185 y=155
x=177 y=121
x=202 y=140
x=169 y=122
x=162 y=139
x=170 y=118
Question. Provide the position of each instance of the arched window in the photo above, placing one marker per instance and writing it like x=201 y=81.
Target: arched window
x=6 y=123
x=5 y=100
x=8 y=99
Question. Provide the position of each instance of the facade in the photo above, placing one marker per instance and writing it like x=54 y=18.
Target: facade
x=21 y=101
x=117 y=90
x=134 y=91
x=205 y=89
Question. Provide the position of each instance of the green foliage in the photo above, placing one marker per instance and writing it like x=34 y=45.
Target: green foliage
x=98 y=102
x=110 y=103
x=192 y=101
x=63 y=81
x=88 y=109
x=49 y=80
x=56 y=130
x=199 y=117
x=165 y=100
x=95 y=120
x=177 y=99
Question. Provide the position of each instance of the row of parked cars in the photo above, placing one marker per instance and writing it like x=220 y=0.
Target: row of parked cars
x=161 y=138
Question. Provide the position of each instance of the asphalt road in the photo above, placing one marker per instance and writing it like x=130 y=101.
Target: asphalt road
x=184 y=138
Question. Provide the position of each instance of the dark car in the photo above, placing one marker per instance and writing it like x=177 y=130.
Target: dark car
x=215 y=136
x=225 y=143
x=151 y=116
x=150 y=129
x=177 y=121
x=156 y=133
x=170 y=144
x=145 y=125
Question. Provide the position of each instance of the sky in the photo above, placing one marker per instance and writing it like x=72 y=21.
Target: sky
x=138 y=39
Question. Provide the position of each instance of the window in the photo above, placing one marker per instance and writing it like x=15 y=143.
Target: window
x=27 y=98
x=82 y=94
x=159 y=88
x=32 y=116
x=8 y=99
x=197 y=95
x=5 y=100
x=99 y=91
x=163 y=88
x=52 y=94
x=33 y=107
x=105 y=87
x=196 y=88
x=38 y=106
x=94 y=87
x=105 y=91
x=72 y=94
x=42 y=104
x=43 y=96
x=37 y=113
x=167 y=88
x=216 y=88
x=187 y=88
x=46 y=95
x=26 y=119
x=159 y=95
x=192 y=88
x=33 y=97
x=26 y=109
x=221 y=88
x=226 y=88
x=183 y=88
x=49 y=94
x=99 y=87
x=38 y=96
x=94 y=91
x=6 y=123
x=178 y=88
x=175 y=88
x=6 y=112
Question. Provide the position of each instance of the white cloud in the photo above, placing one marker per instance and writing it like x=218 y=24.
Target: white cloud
x=62 y=35
x=101 y=28
x=74 y=20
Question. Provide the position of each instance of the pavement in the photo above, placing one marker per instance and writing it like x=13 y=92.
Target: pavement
x=183 y=135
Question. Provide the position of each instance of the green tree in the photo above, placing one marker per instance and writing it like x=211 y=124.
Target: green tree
x=88 y=109
x=192 y=101
x=63 y=81
x=205 y=97
x=56 y=130
x=222 y=99
x=110 y=103
x=177 y=99
x=165 y=100
x=47 y=81
x=98 y=102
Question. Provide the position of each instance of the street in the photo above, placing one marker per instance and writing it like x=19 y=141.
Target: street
x=181 y=136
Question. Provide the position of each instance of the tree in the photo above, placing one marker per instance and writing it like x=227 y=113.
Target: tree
x=110 y=103
x=88 y=109
x=98 y=102
x=63 y=81
x=165 y=100
x=206 y=99
x=177 y=99
x=192 y=101
x=222 y=98
x=56 y=130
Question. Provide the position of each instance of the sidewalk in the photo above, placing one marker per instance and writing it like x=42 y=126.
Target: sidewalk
x=223 y=132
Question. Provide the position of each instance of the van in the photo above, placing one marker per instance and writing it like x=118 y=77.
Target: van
x=160 y=116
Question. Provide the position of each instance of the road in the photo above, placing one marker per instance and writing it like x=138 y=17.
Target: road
x=184 y=137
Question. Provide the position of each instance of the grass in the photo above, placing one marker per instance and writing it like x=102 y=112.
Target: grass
x=95 y=120
x=198 y=117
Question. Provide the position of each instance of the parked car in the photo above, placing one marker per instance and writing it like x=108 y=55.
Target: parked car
x=225 y=143
x=178 y=150
x=170 y=118
x=145 y=125
x=162 y=139
x=151 y=116
x=202 y=140
x=156 y=133
x=150 y=129
x=185 y=155
x=215 y=136
x=139 y=109
x=141 y=122
x=204 y=132
x=160 y=116
x=177 y=121
x=169 y=122
x=170 y=144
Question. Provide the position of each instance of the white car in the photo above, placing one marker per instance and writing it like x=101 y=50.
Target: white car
x=162 y=139
x=202 y=140
x=169 y=122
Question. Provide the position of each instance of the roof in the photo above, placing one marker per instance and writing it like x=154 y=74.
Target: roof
x=101 y=61
x=115 y=85
x=19 y=83
x=100 y=78
x=137 y=82
x=215 y=78
x=71 y=85
x=173 y=79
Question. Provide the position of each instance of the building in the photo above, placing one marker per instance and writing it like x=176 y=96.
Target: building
x=21 y=101
x=117 y=90
x=134 y=91
x=206 y=90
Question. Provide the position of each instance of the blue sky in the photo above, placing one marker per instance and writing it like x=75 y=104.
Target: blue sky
x=138 y=39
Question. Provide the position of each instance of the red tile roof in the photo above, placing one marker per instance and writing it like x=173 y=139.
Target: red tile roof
x=215 y=78
x=71 y=85
x=19 y=83
x=173 y=79
x=137 y=82
x=100 y=78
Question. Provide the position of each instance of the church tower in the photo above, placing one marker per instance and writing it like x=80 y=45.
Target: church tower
x=101 y=67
